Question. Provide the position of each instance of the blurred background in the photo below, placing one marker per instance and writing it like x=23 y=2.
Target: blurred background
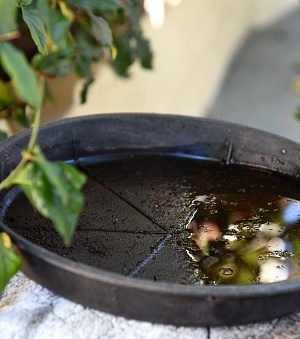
x=235 y=60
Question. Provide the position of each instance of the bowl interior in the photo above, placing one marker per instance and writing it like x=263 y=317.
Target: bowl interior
x=134 y=217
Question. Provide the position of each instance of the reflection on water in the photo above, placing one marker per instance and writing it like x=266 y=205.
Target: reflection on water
x=240 y=238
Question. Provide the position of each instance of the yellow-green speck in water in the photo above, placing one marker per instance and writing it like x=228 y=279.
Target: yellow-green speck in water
x=240 y=238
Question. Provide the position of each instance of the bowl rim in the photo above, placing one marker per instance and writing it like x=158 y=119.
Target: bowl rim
x=159 y=287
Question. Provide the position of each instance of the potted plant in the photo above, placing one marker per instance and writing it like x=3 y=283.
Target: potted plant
x=129 y=253
x=69 y=35
x=75 y=34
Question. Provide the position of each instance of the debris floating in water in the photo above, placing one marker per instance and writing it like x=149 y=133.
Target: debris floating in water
x=242 y=238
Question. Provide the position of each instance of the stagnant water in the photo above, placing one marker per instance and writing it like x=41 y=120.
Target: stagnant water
x=180 y=220
x=241 y=238
x=244 y=226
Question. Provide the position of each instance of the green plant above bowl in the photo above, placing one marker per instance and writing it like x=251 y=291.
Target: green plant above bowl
x=69 y=36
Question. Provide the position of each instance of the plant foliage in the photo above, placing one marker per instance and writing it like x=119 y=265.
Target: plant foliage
x=67 y=35
x=10 y=262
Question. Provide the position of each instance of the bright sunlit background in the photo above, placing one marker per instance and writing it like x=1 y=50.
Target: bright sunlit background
x=194 y=43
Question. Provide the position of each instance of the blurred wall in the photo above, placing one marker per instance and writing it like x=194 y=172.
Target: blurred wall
x=192 y=53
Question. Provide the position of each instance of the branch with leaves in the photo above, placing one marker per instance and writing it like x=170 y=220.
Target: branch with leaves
x=67 y=36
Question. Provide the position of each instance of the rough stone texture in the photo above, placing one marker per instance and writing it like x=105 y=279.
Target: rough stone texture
x=28 y=310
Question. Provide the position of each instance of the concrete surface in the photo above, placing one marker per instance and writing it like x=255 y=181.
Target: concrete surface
x=29 y=311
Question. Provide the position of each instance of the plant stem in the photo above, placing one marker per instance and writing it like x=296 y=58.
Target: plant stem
x=7 y=181
x=37 y=117
x=34 y=134
x=35 y=130
x=10 y=36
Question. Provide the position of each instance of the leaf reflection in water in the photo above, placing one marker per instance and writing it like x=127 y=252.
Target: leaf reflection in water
x=240 y=238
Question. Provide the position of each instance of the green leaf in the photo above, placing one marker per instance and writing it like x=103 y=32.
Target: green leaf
x=125 y=55
x=3 y=135
x=6 y=97
x=23 y=77
x=57 y=26
x=88 y=51
x=66 y=11
x=62 y=45
x=297 y=113
x=19 y=114
x=24 y=2
x=10 y=262
x=84 y=90
x=83 y=69
x=36 y=27
x=8 y=10
x=53 y=63
x=95 y=5
x=144 y=51
x=54 y=189
x=87 y=45
x=134 y=14
x=136 y=2
x=101 y=30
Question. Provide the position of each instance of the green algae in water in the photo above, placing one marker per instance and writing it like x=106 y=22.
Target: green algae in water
x=240 y=238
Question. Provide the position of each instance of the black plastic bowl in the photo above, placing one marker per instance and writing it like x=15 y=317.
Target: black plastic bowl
x=90 y=136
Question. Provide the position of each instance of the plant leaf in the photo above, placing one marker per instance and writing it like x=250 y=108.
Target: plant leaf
x=101 y=30
x=23 y=77
x=87 y=45
x=36 y=27
x=52 y=64
x=8 y=10
x=144 y=51
x=61 y=43
x=83 y=69
x=19 y=114
x=125 y=55
x=54 y=189
x=24 y=2
x=10 y=262
x=66 y=11
x=3 y=135
x=95 y=5
x=57 y=26
x=88 y=51
x=6 y=97
x=297 y=112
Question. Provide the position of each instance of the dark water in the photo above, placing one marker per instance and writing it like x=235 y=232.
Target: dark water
x=241 y=238
x=178 y=220
x=245 y=224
